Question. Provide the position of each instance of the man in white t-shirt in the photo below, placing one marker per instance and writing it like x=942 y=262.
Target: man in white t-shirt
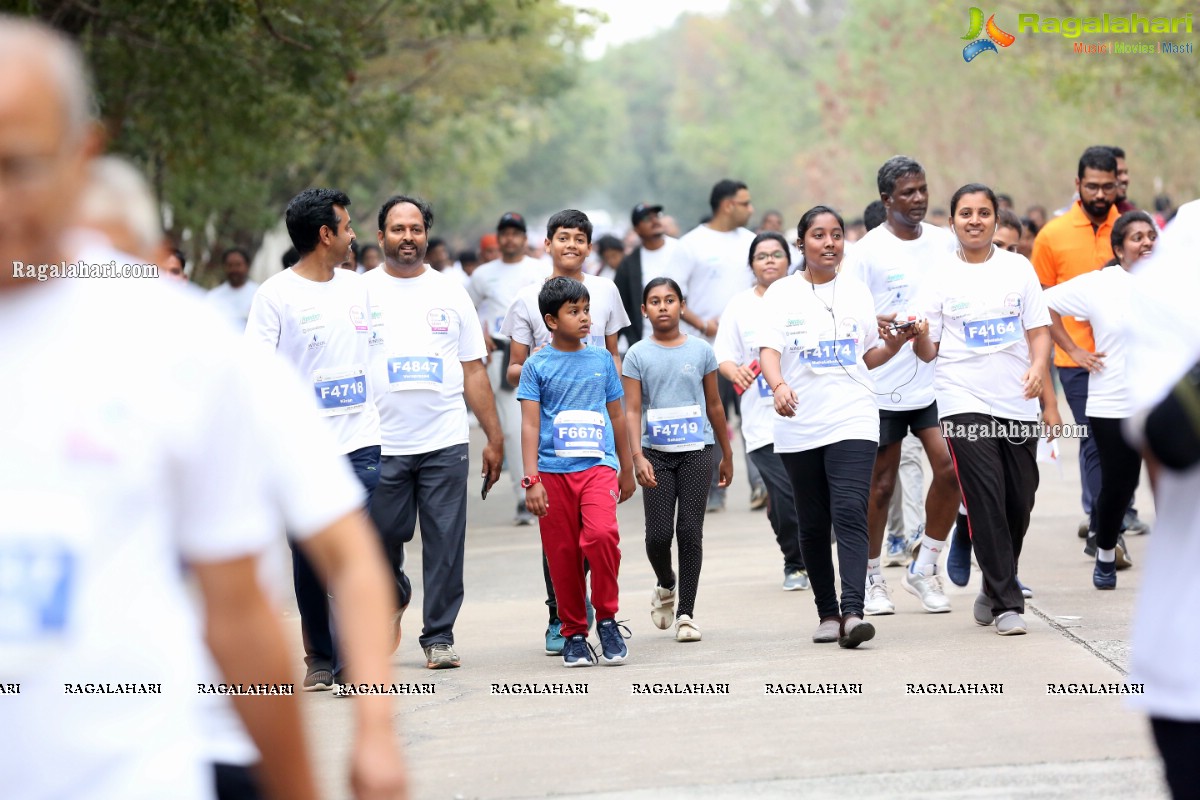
x=711 y=265
x=428 y=361
x=235 y=295
x=104 y=500
x=493 y=287
x=650 y=260
x=893 y=260
x=317 y=318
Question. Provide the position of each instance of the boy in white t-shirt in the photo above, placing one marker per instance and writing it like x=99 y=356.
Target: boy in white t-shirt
x=526 y=328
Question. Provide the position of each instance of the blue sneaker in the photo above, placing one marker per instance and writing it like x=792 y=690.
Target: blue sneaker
x=1026 y=592
x=554 y=638
x=897 y=550
x=1104 y=575
x=958 y=560
x=577 y=652
x=591 y=612
x=612 y=640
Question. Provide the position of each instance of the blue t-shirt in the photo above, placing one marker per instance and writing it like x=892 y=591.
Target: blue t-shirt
x=674 y=411
x=574 y=389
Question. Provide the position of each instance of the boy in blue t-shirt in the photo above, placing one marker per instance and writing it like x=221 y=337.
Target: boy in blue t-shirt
x=572 y=439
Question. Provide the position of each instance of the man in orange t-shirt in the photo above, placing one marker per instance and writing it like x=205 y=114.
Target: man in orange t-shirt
x=1079 y=241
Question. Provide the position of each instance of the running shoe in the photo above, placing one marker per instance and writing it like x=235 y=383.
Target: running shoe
x=879 y=597
x=441 y=655
x=855 y=632
x=1123 y=559
x=1134 y=526
x=686 y=630
x=1104 y=575
x=914 y=541
x=828 y=631
x=554 y=639
x=612 y=641
x=928 y=588
x=318 y=679
x=1010 y=623
x=577 y=652
x=982 y=610
x=958 y=560
x=1026 y=592
x=897 y=550
x=795 y=580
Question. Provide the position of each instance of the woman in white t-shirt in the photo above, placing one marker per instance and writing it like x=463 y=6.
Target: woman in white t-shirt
x=1102 y=298
x=738 y=356
x=987 y=326
x=819 y=338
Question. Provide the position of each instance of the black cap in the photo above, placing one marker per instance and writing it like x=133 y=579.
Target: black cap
x=511 y=220
x=642 y=210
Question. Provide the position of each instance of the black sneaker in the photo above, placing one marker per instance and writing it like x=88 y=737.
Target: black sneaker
x=1123 y=559
x=612 y=640
x=1104 y=576
x=318 y=679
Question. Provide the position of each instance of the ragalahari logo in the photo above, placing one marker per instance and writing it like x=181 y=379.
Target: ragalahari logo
x=995 y=36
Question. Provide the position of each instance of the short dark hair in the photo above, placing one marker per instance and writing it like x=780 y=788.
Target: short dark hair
x=396 y=199
x=437 y=242
x=175 y=251
x=569 y=218
x=972 y=188
x=310 y=211
x=1004 y=198
x=874 y=215
x=765 y=236
x=1098 y=157
x=1118 y=152
x=1028 y=224
x=557 y=292
x=362 y=250
x=609 y=242
x=723 y=189
x=1007 y=218
x=468 y=257
x=1121 y=227
x=662 y=280
x=243 y=252
x=894 y=169
x=290 y=258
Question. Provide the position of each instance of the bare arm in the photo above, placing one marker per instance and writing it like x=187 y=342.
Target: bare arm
x=643 y=470
x=610 y=344
x=531 y=423
x=739 y=375
x=347 y=556
x=785 y=398
x=477 y=391
x=1092 y=362
x=621 y=440
x=518 y=354
x=247 y=641
x=716 y=418
x=1038 y=373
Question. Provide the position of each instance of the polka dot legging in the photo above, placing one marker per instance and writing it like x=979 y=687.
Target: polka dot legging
x=682 y=480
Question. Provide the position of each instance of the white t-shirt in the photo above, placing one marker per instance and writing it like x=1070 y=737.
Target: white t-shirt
x=655 y=264
x=894 y=270
x=135 y=455
x=1102 y=299
x=494 y=286
x=234 y=303
x=324 y=330
x=459 y=274
x=524 y=323
x=711 y=267
x=980 y=313
x=1166 y=639
x=822 y=359
x=736 y=342
x=308 y=485
x=428 y=328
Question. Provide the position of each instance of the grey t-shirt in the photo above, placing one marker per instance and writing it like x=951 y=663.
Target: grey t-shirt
x=674 y=412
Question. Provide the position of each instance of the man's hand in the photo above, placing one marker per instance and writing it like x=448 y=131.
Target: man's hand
x=1092 y=362
x=493 y=460
x=376 y=770
x=1052 y=420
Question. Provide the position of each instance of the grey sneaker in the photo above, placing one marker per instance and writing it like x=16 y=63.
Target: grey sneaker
x=441 y=656
x=855 y=632
x=795 y=581
x=928 y=588
x=1134 y=526
x=879 y=598
x=1010 y=623
x=983 y=610
x=318 y=679
x=827 y=632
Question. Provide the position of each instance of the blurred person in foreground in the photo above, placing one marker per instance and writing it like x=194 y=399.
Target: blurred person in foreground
x=96 y=521
x=1163 y=377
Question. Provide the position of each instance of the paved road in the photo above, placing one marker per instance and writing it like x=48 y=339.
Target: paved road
x=464 y=741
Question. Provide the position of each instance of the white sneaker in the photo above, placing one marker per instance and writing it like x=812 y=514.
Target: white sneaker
x=662 y=607
x=686 y=630
x=927 y=587
x=879 y=598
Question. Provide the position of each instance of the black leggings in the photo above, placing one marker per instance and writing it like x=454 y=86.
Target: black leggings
x=831 y=485
x=682 y=480
x=1120 y=468
x=1178 y=743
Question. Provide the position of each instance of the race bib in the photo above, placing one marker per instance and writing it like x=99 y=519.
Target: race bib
x=830 y=354
x=413 y=372
x=993 y=334
x=760 y=383
x=578 y=434
x=675 y=430
x=342 y=391
x=40 y=565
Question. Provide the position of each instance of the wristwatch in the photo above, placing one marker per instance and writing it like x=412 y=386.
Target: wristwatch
x=530 y=480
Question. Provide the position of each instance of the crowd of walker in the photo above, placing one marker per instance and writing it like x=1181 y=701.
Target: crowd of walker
x=846 y=365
